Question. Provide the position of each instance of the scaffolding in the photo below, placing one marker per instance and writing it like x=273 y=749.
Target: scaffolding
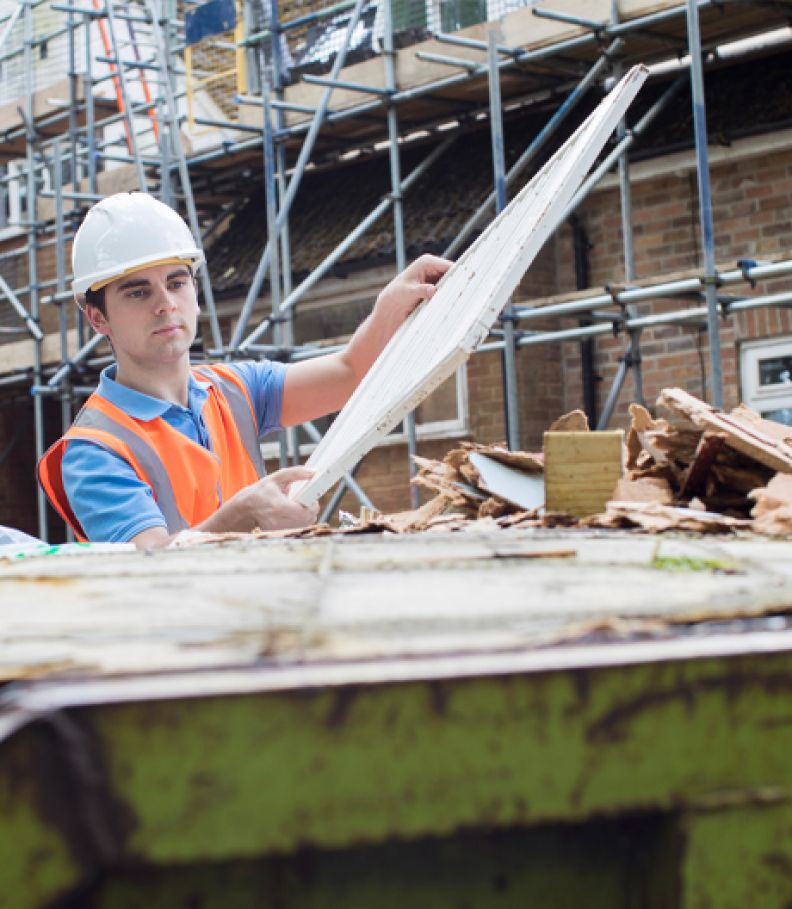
x=127 y=103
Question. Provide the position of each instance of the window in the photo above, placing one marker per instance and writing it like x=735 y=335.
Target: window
x=11 y=198
x=766 y=370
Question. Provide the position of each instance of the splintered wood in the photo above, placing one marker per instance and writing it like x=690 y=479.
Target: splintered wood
x=439 y=337
x=698 y=471
x=701 y=471
x=743 y=430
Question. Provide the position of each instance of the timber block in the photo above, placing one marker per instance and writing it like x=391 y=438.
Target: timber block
x=581 y=470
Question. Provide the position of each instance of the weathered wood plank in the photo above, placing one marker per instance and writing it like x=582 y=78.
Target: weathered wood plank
x=439 y=337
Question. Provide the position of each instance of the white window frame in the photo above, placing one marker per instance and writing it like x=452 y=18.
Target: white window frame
x=435 y=430
x=762 y=398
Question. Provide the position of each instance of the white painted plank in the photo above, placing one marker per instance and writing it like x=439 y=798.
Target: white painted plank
x=442 y=335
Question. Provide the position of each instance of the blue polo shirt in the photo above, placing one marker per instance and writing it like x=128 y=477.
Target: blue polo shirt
x=108 y=498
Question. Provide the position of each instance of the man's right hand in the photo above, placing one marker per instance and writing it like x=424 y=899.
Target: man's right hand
x=264 y=504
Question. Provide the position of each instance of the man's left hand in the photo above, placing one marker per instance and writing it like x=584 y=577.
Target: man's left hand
x=418 y=282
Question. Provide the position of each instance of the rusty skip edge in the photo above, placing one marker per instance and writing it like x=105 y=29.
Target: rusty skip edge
x=27 y=702
x=77 y=796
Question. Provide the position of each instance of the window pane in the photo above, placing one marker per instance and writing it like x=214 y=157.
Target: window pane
x=775 y=371
x=441 y=404
x=330 y=322
x=780 y=415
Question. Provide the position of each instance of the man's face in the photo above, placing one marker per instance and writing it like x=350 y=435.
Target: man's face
x=151 y=315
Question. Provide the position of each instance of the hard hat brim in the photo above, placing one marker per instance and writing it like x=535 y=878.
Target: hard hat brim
x=192 y=256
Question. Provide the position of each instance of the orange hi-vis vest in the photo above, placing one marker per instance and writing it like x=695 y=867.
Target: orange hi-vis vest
x=188 y=481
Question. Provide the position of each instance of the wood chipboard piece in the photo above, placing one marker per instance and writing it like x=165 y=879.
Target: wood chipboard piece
x=745 y=431
x=439 y=337
x=581 y=470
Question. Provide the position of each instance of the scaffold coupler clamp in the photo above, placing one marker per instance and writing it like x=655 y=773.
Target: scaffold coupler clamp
x=745 y=266
x=714 y=280
x=618 y=321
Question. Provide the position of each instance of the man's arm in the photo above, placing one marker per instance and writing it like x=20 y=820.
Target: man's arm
x=264 y=505
x=323 y=385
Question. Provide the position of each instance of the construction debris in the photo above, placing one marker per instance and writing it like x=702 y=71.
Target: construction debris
x=581 y=470
x=700 y=471
x=773 y=510
x=656 y=518
x=743 y=429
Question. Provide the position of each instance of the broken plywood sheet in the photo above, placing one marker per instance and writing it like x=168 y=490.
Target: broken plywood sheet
x=574 y=421
x=643 y=489
x=694 y=480
x=745 y=431
x=656 y=518
x=773 y=510
x=439 y=337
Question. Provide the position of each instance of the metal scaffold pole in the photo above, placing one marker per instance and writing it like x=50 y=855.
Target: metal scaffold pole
x=290 y=440
x=632 y=356
x=388 y=54
x=160 y=25
x=271 y=207
x=294 y=183
x=510 y=387
x=125 y=97
x=705 y=202
x=535 y=146
x=32 y=242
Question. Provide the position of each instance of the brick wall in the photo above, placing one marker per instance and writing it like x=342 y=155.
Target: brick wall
x=17 y=463
x=752 y=199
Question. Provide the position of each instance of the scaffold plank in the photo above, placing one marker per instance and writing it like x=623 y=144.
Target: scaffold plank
x=525 y=32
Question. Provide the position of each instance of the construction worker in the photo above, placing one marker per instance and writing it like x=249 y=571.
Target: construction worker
x=162 y=446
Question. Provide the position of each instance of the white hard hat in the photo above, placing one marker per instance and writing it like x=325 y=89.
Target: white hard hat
x=124 y=233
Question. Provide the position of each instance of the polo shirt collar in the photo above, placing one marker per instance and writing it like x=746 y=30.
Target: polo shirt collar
x=141 y=406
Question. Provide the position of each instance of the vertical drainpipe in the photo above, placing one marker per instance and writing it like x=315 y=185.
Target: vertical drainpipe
x=580 y=244
x=705 y=203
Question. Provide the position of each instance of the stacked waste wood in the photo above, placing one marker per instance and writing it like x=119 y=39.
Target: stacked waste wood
x=694 y=469
x=697 y=470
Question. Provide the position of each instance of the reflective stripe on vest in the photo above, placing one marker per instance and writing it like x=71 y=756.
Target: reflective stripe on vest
x=241 y=408
x=189 y=481
x=147 y=458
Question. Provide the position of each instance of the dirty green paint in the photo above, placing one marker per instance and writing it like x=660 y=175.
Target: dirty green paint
x=234 y=778
x=35 y=861
x=334 y=768
x=746 y=850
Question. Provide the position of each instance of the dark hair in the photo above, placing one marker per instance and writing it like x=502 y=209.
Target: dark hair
x=96 y=298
